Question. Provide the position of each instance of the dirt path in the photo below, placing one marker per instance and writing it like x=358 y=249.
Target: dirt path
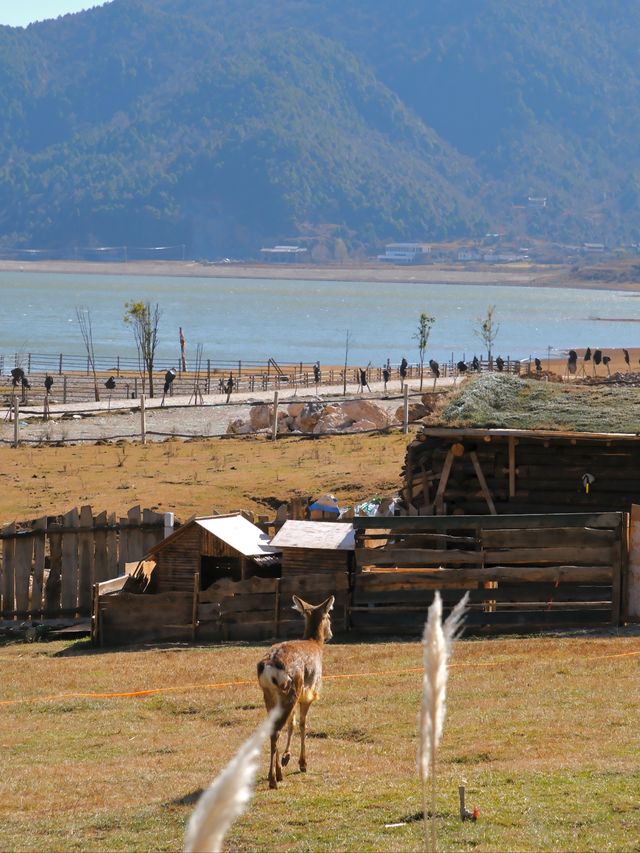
x=178 y=417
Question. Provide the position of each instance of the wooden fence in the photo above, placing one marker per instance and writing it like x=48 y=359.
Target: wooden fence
x=253 y=609
x=48 y=566
x=522 y=572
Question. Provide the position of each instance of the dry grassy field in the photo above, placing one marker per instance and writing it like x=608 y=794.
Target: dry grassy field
x=197 y=476
x=544 y=732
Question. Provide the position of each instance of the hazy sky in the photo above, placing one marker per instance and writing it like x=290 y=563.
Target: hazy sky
x=19 y=13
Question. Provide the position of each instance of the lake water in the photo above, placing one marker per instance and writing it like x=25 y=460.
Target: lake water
x=257 y=319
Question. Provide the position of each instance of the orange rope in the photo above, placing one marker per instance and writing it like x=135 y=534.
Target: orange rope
x=217 y=685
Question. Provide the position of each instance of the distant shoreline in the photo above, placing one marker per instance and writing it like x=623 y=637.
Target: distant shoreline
x=521 y=276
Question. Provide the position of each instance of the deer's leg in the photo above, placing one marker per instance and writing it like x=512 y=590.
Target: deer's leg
x=286 y=755
x=303 y=731
x=274 y=778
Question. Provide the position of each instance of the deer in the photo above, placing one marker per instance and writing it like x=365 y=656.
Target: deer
x=290 y=675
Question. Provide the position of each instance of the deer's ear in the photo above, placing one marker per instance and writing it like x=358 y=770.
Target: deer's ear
x=328 y=604
x=298 y=604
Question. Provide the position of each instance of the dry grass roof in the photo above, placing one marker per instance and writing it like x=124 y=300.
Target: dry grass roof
x=502 y=401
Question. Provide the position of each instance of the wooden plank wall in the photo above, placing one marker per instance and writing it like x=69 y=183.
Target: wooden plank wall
x=522 y=474
x=261 y=608
x=135 y=618
x=48 y=566
x=522 y=572
x=178 y=561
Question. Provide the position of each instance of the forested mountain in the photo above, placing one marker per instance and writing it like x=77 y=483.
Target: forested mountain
x=224 y=124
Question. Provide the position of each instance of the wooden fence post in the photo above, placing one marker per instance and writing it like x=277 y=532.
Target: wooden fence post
x=16 y=423
x=143 y=421
x=405 y=409
x=274 y=428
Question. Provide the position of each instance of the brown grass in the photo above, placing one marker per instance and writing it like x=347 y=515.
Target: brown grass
x=198 y=476
x=544 y=732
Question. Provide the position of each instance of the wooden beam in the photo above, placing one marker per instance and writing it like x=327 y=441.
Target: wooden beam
x=444 y=479
x=483 y=483
x=430 y=523
x=512 y=467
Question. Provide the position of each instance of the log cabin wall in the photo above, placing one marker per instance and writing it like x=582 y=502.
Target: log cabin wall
x=449 y=472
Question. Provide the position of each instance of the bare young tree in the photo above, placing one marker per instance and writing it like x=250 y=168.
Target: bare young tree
x=487 y=330
x=422 y=336
x=83 y=316
x=144 y=320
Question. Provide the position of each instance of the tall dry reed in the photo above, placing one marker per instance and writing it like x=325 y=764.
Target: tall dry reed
x=228 y=795
x=437 y=645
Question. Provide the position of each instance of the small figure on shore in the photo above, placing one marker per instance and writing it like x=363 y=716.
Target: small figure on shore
x=48 y=385
x=403 y=372
x=229 y=386
x=475 y=364
x=169 y=376
x=363 y=380
x=317 y=375
x=572 y=362
x=386 y=376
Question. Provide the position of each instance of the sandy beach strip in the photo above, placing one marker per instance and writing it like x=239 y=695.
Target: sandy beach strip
x=521 y=275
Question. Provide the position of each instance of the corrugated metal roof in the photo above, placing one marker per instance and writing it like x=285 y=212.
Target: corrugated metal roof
x=238 y=533
x=328 y=535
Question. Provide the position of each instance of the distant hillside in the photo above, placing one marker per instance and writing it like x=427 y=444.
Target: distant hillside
x=225 y=124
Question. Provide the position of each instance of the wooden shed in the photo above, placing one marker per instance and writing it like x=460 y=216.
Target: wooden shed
x=322 y=549
x=214 y=548
x=469 y=471
x=315 y=546
x=160 y=597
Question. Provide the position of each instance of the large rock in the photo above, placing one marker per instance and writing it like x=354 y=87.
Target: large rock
x=239 y=427
x=363 y=426
x=366 y=410
x=416 y=411
x=294 y=409
x=429 y=400
x=309 y=416
x=260 y=417
x=332 y=422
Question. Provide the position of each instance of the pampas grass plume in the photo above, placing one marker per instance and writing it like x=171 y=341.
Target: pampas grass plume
x=437 y=644
x=228 y=795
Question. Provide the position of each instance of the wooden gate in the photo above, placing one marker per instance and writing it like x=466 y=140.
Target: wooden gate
x=523 y=572
x=48 y=567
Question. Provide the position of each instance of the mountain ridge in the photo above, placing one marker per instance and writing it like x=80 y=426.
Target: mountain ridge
x=223 y=124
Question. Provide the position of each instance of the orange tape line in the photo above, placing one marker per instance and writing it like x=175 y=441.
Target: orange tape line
x=216 y=685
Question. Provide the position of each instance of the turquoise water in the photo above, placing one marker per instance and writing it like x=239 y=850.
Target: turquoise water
x=289 y=320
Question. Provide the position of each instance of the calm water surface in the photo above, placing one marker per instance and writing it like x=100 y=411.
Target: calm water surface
x=292 y=320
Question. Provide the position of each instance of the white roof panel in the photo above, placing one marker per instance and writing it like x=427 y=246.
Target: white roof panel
x=238 y=533
x=329 y=535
